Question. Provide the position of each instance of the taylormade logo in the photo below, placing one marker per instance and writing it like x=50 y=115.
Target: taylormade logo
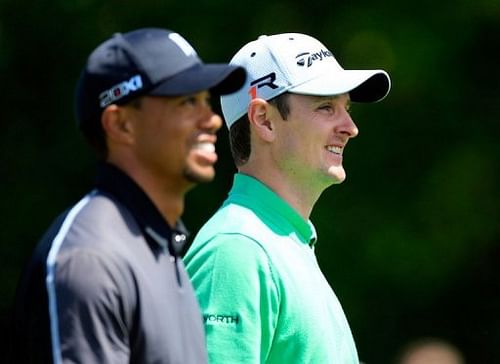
x=120 y=90
x=307 y=58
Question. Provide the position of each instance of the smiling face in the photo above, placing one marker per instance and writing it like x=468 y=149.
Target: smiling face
x=175 y=138
x=310 y=142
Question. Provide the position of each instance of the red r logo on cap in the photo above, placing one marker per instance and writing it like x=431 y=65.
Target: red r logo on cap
x=267 y=80
x=253 y=92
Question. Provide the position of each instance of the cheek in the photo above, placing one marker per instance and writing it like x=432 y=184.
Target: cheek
x=164 y=140
x=181 y=140
x=172 y=130
x=311 y=142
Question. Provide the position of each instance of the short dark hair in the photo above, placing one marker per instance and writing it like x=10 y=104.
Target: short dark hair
x=239 y=141
x=239 y=134
x=95 y=135
x=281 y=103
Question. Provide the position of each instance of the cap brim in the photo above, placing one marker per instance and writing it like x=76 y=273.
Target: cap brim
x=220 y=79
x=362 y=85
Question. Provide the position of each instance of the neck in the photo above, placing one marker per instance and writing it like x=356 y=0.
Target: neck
x=170 y=205
x=165 y=194
x=299 y=194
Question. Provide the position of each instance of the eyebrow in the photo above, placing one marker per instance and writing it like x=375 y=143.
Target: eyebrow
x=327 y=98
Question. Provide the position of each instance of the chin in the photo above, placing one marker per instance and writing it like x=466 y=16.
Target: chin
x=198 y=176
x=337 y=175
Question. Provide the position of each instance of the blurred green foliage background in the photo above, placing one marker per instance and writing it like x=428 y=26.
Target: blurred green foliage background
x=410 y=242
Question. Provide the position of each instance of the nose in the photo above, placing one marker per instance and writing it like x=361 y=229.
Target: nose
x=210 y=121
x=348 y=127
x=215 y=122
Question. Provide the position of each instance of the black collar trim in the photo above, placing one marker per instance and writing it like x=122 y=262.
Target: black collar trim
x=121 y=187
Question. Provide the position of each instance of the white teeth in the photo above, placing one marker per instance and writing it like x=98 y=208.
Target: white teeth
x=334 y=149
x=205 y=147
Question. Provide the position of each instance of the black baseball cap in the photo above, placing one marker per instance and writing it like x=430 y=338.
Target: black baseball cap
x=148 y=61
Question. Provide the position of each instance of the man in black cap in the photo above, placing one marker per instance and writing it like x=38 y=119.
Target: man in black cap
x=105 y=283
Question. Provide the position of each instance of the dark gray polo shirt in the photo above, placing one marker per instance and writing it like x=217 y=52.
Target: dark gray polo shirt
x=106 y=285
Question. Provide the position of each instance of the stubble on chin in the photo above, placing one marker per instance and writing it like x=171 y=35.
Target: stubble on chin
x=196 y=178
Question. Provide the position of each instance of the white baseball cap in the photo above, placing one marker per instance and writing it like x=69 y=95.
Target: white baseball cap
x=297 y=63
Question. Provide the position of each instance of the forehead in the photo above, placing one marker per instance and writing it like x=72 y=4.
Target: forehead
x=316 y=98
x=313 y=99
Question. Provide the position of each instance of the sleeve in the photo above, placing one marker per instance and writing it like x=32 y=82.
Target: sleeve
x=238 y=296
x=91 y=310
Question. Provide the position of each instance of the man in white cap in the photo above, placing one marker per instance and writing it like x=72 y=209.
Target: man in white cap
x=263 y=296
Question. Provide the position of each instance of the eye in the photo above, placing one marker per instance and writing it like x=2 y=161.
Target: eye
x=189 y=100
x=196 y=101
x=326 y=107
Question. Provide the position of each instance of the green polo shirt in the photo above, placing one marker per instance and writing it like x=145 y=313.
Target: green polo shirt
x=262 y=294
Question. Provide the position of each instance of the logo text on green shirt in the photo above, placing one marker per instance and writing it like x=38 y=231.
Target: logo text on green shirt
x=221 y=319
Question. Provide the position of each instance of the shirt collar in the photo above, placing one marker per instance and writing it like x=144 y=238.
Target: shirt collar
x=258 y=196
x=120 y=186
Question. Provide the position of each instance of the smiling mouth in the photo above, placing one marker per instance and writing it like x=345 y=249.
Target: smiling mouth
x=334 y=149
x=205 y=147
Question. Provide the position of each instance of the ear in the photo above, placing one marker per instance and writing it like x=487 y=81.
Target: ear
x=116 y=124
x=259 y=116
